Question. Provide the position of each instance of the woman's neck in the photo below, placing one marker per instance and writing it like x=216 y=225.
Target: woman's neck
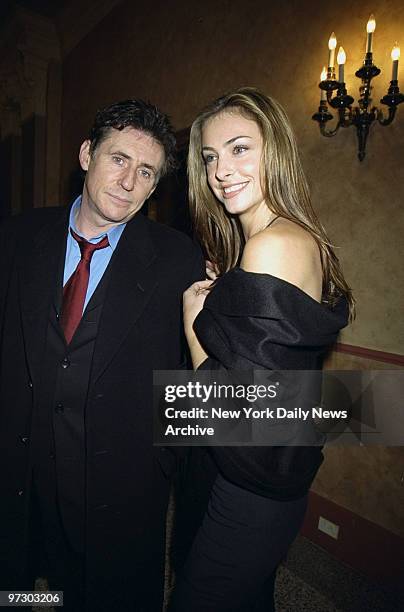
x=254 y=221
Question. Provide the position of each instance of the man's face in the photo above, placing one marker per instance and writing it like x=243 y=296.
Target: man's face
x=122 y=173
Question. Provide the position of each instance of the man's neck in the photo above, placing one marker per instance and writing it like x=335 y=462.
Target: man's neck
x=88 y=227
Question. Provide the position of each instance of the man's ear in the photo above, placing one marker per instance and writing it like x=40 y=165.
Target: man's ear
x=84 y=155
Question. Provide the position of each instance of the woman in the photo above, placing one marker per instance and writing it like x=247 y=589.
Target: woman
x=278 y=303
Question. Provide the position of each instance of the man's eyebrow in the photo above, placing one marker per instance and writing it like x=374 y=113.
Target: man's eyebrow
x=143 y=164
x=121 y=154
x=227 y=142
x=150 y=167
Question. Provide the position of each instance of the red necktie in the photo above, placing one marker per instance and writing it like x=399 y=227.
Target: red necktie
x=74 y=291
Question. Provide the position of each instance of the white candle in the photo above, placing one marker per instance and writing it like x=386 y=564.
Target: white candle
x=323 y=77
x=332 y=43
x=370 y=28
x=395 y=56
x=341 y=59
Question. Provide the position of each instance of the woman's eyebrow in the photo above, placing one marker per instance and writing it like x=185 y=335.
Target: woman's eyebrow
x=207 y=147
x=235 y=138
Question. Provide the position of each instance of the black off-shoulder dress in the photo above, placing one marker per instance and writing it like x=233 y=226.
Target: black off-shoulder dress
x=257 y=495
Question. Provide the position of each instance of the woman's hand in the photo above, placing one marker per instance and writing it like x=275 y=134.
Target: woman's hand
x=194 y=299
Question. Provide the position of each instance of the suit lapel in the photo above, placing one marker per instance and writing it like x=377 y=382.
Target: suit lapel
x=129 y=289
x=39 y=278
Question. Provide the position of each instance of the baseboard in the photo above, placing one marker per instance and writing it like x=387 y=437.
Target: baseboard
x=366 y=547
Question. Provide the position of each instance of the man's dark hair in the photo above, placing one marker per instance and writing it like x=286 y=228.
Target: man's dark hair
x=142 y=116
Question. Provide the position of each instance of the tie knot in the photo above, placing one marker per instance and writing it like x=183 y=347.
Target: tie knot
x=87 y=248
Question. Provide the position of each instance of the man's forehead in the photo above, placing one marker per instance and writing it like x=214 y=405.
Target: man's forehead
x=135 y=143
x=132 y=136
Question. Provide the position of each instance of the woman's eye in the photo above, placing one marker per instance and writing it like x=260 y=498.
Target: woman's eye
x=209 y=159
x=239 y=149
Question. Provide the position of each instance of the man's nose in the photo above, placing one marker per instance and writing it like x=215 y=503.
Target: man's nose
x=128 y=179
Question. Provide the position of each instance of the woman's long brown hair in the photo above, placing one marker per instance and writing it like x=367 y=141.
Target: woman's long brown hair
x=284 y=186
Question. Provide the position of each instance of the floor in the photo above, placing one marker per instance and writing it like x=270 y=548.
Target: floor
x=310 y=580
x=313 y=581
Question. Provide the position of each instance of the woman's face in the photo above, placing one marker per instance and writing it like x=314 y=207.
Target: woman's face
x=232 y=149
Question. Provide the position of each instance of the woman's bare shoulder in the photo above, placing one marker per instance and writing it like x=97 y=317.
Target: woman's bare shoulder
x=288 y=251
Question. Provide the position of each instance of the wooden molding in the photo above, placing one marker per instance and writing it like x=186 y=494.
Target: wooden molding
x=367 y=353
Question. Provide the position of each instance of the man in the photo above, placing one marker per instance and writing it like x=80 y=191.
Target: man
x=90 y=304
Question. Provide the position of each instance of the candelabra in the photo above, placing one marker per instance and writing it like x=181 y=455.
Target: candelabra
x=363 y=115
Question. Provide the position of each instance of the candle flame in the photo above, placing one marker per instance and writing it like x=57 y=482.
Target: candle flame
x=395 y=53
x=341 y=57
x=332 y=43
x=323 y=75
x=371 y=25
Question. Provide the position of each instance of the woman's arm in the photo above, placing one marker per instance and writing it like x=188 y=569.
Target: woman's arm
x=194 y=299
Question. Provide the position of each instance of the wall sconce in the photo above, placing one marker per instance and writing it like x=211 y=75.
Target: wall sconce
x=363 y=115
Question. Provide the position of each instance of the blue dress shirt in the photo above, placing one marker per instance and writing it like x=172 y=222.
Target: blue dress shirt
x=100 y=258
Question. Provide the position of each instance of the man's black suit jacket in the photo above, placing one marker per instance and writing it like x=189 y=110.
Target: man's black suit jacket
x=140 y=330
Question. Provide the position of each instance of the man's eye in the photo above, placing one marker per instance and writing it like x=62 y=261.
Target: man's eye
x=239 y=149
x=145 y=173
x=118 y=160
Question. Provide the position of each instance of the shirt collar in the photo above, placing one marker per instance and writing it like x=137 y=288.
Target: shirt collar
x=113 y=234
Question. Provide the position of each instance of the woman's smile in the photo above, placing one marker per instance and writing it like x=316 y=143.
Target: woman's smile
x=233 y=190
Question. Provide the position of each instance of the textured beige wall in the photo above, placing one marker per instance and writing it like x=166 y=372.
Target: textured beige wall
x=367 y=480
